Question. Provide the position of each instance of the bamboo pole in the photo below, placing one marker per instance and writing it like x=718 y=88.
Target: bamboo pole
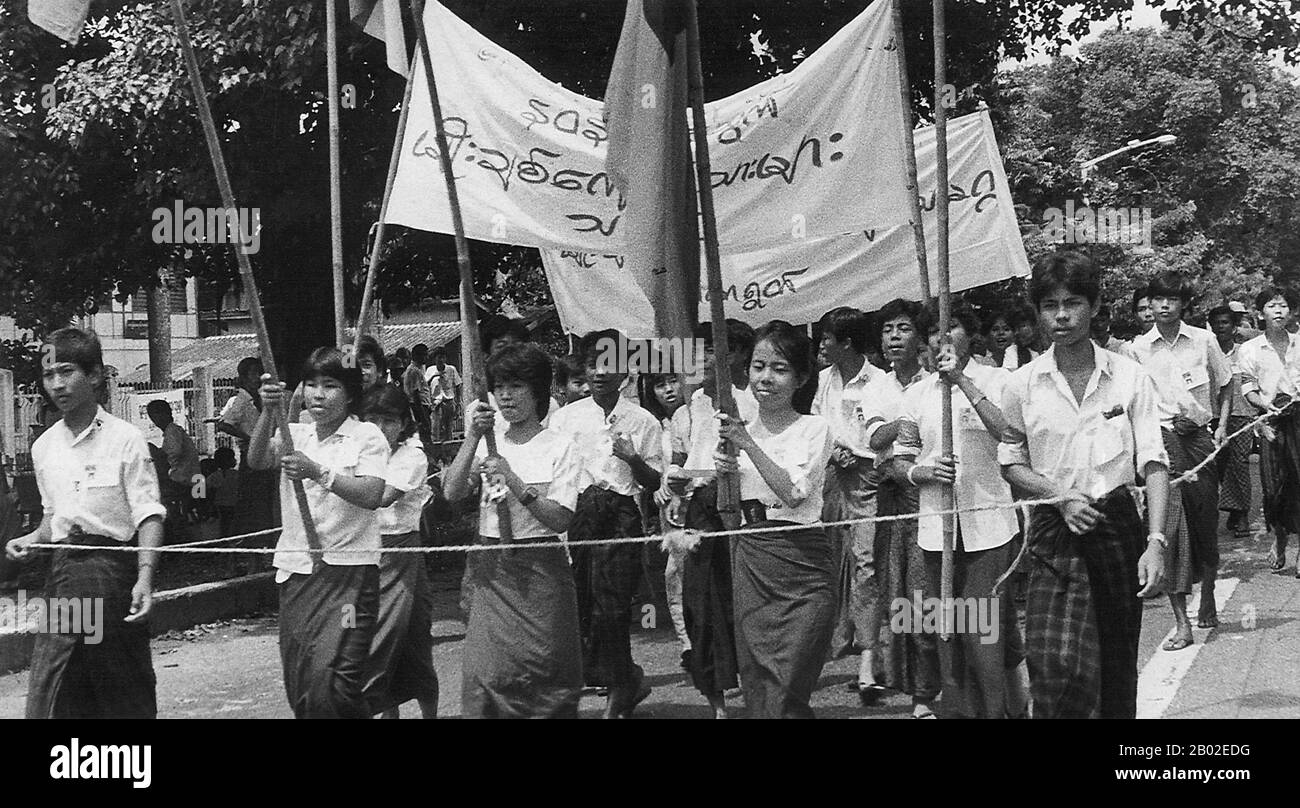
x=909 y=152
x=945 y=298
x=241 y=256
x=476 y=372
x=368 y=295
x=728 y=483
x=336 y=194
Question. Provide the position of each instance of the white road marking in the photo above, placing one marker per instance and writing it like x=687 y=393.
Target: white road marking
x=1163 y=674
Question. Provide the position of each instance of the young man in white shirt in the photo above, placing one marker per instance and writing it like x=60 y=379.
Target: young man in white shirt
x=1270 y=381
x=1082 y=425
x=98 y=487
x=444 y=388
x=850 y=489
x=1195 y=383
x=910 y=661
x=622 y=453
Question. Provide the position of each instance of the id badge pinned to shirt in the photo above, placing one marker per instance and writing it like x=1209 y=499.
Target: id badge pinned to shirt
x=89 y=477
x=967 y=418
x=1196 y=377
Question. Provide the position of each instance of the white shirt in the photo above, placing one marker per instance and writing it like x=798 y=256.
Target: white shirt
x=695 y=426
x=803 y=450
x=356 y=448
x=979 y=480
x=407 y=471
x=442 y=383
x=593 y=432
x=1189 y=372
x=550 y=463
x=881 y=404
x=1264 y=373
x=240 y=412
x=1076 y=445
x=102 y=481
x=837 y=400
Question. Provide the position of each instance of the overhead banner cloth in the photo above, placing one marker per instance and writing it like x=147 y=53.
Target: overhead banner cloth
x=801 y=281
x=813 y=153
x=649 y=159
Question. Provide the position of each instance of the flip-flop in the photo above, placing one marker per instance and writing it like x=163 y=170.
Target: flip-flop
x=870 y=693
x=1176 y=644
x=925 y=715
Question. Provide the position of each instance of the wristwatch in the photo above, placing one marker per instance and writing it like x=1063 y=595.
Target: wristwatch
x=1158 y=538
x=528 y=497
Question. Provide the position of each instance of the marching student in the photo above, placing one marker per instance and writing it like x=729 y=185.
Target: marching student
x=620 y=445
x=784 y=582
x=1082 y=423
x=182 y=462
x=256 y=510
x=911 y=661
x=523 y=655
x=328 y=605
x=98 y=487
x=979 y=672
x=417 y=392
x=571 y=379
x=402 y=649
x=850 y=491
x=1146 y=318
x=1194 y=380
x=445 y=388
x=1234 y=461
x=706 y=567
x=660 y=394
x=1270 y=381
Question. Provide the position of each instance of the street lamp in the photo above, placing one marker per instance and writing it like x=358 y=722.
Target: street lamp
x=1160 y=140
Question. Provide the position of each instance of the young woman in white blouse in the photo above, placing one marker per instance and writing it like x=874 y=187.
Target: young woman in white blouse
x=784 y=581
x=523 y=657
x=401 y=653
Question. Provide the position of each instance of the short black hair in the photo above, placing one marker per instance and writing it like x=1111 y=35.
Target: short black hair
x=1064 y=268
x=568 y=367
x=898 y=307
x=419 y=353
x=368 y=346
x=328 y=362
x=1138 y=294
x=1277 y=290
x=225 y=457
x=1221 y=310
x=594 y=343
x=848 y=323
x=79 y=346
x=248 y=363
x=740 y=336
x=961 y=315
x=159 y=407
x=1171 y=284
x=527 y=364
x=793 y=345
x=392 y=402
x=497 y=327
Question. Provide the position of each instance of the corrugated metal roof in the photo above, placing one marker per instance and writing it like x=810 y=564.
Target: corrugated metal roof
x=224 y=352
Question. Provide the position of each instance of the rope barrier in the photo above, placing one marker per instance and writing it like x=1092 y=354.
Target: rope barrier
x=202 y=546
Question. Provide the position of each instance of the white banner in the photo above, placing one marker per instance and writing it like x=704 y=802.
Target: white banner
x=803 y=279
x=816 y=152
x=139 y=415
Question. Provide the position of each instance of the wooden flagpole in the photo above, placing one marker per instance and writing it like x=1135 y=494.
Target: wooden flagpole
x=241 y=256
x=368 y=296
x=728 y=483
x=468 y=311
x=909 y=152
x=336 y=194
x=945 y=298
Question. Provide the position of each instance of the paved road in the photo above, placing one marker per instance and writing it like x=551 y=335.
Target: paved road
x=1247 y=668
